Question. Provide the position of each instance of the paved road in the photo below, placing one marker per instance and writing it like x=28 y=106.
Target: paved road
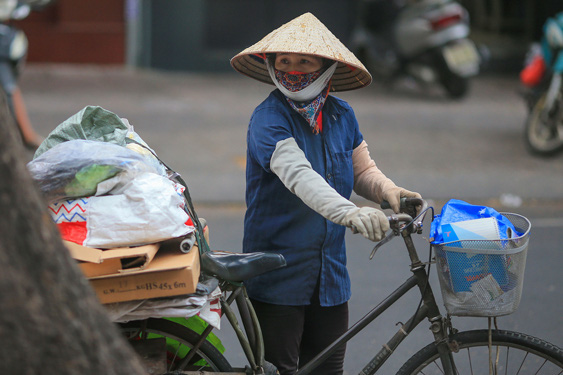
x=471 y=150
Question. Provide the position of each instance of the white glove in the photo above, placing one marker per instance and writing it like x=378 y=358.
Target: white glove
x=394 y=195
x=369 y=222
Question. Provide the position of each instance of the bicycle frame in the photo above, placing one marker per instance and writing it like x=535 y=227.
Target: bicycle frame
x=252 y=343
x=499 y=349
x=428 y=309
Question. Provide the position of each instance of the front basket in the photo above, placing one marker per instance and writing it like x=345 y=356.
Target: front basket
x=483 y=277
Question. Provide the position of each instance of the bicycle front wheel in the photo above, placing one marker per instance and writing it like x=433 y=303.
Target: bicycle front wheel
x=511 y=353
x=180 y=340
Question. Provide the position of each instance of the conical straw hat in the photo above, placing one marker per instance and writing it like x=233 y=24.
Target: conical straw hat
x=306 y=35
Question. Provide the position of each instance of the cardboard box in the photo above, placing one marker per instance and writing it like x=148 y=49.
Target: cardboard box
x=97 y=262
x=168 y=273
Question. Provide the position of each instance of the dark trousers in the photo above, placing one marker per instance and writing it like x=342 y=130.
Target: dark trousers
x=293 y=335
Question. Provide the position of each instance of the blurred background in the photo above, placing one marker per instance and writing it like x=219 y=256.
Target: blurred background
x=164 y=65
x=198 y=35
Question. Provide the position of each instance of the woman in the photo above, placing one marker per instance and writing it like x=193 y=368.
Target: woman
x=305 y=154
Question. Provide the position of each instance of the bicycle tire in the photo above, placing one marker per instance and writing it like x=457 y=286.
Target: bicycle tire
x=518 y=354
x=207 y=358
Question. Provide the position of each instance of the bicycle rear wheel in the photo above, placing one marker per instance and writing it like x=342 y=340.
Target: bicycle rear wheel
x=180 y=340
x=518 y=353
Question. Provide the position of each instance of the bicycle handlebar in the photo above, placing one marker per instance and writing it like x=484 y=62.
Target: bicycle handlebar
x=408 y=205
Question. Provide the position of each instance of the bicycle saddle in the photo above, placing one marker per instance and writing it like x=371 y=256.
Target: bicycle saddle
x=238 y=266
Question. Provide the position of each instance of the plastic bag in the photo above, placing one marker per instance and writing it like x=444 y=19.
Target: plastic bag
x=95 y=123
x=207 y=307
x=457 y=210
x=125 y=197
x=148 y=209
x=460 y=221
x=75 y=168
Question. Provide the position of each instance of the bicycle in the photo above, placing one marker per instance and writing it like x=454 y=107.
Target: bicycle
x=489 y=350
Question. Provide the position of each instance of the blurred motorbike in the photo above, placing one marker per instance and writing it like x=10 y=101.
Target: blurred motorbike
x=13 y=46
x=13 y=52
x=424 y=39
x=542 y=77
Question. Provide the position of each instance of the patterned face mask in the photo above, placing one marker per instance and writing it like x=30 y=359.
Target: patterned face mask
x=306 y=93
x=308 y=85
x=310 y=110
x=296 y=81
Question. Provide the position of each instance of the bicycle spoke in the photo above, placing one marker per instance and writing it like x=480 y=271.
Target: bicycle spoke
x=522 y=364
x=506 y=364
x=174 y=358
x=470 y=362
x=497 y=359
x=543 y=364
x=438 y=367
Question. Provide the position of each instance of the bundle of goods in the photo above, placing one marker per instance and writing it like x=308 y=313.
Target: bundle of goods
x=127 y=219
x=104 y=185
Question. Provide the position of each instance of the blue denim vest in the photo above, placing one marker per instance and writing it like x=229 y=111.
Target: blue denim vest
x=278 y=221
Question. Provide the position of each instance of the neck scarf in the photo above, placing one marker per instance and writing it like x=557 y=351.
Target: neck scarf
x=306 y=93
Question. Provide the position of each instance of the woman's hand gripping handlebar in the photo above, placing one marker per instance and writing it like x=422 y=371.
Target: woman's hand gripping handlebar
x=411 y=217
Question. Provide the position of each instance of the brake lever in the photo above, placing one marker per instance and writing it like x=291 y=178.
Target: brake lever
x=394 y=232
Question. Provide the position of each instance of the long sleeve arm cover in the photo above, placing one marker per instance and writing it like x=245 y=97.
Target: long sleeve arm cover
x=369 y=181
x=294 y=170
x=289 y=163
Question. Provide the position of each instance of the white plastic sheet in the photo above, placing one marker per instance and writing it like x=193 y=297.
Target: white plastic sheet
x=147 y=209
x=207 y=308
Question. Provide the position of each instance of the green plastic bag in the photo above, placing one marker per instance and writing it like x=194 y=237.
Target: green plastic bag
x=92 y=123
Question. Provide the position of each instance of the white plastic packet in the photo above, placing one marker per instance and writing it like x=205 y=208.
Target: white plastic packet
x=146 y=209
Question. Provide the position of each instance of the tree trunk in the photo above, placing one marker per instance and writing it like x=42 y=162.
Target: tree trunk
x=50 y=319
